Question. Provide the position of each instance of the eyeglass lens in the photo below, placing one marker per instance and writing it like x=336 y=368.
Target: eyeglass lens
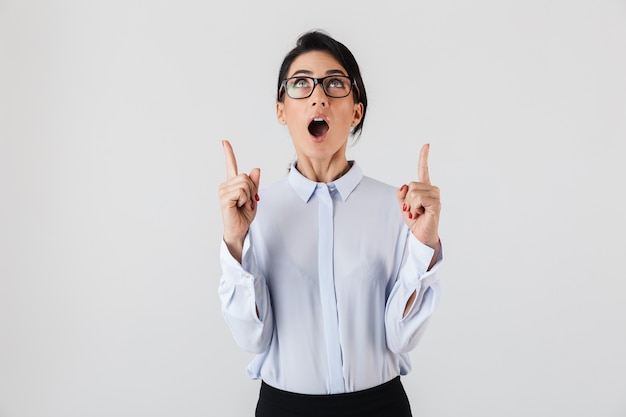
x=336 y=86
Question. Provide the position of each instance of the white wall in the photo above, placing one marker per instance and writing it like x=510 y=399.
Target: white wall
x=111 y=116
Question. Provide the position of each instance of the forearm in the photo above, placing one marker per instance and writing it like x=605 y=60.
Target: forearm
x=245 y=300
x=433 y=261
x=413 y=297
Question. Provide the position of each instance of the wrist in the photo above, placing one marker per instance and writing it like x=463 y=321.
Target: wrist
x=235 y=246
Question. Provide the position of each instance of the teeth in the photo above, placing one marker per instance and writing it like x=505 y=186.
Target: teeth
x=318 y=119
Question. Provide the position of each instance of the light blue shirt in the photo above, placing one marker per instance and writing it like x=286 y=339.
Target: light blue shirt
x=330 y=268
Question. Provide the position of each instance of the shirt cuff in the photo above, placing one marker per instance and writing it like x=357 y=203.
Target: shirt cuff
x=230 y=266
x=418 y=260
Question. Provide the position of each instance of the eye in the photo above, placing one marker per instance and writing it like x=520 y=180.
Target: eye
x=336 y=83
x=300 y=83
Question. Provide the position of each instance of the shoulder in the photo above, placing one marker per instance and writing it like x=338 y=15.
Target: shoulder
x=276 y=187
x=276 y=195
x=372 y=185
x=372 y=195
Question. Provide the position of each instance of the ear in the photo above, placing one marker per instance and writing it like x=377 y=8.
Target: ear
x=280 y=113
x=358 y=114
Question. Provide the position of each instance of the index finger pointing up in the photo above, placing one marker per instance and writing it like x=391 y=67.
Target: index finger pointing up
x=422 y=165
x=231 y=162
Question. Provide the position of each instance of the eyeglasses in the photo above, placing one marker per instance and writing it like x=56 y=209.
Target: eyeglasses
x=336 y=86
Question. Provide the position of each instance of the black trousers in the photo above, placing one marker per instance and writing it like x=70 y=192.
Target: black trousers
x=386 y=400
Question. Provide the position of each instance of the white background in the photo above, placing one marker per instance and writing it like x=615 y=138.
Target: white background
x=111 y=117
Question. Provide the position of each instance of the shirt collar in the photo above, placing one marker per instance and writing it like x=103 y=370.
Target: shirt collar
x=305 y=188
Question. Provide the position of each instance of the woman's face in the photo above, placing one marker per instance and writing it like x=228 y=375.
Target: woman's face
x=319 y=125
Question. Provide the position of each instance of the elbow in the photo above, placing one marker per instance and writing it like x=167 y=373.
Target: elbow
x=255 y=341
x=405 y=333
x=253 y=337
x=396 y=346
x=402 y=340
x=253 y=347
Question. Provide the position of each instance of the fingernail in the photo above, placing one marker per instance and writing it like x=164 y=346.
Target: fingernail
x=252 y=206
x=410 y=215
x=256 y=197
x=404 y=207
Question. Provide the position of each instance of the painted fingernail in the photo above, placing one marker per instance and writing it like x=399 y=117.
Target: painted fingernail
x=410 y=215
x=404 y=207
x=252 y=206
x=256 y=197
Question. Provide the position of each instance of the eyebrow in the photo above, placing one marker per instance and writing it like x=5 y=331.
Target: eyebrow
x=329 y=72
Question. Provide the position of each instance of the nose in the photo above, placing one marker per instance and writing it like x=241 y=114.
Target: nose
x=318 y=96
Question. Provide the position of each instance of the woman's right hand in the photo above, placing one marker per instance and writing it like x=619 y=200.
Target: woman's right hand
x=238 y=198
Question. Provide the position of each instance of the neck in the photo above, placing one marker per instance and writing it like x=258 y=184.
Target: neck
x=323 y=171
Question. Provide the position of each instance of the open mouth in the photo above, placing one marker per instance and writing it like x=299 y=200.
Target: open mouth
x=318 y=127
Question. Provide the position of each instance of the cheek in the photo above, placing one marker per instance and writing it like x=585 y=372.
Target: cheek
x=293 y=113
x=351 y=118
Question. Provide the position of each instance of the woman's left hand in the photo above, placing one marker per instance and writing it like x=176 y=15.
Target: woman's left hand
x=420 y=204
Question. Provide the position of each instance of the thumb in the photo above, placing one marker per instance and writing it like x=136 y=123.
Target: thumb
x=255 y=176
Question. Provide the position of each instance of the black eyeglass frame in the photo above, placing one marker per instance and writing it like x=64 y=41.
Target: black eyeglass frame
x=320 y=81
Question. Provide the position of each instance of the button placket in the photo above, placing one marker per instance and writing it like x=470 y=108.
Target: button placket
x=327 y=287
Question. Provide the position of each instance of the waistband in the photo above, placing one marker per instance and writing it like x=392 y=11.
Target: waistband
x=385 y=400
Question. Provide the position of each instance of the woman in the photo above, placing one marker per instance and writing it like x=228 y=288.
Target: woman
x=329 y=275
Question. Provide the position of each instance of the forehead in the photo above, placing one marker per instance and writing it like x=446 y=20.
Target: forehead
x=317 y=63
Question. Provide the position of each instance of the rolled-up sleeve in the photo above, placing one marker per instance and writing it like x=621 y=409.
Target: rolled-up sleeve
x=242 y=292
